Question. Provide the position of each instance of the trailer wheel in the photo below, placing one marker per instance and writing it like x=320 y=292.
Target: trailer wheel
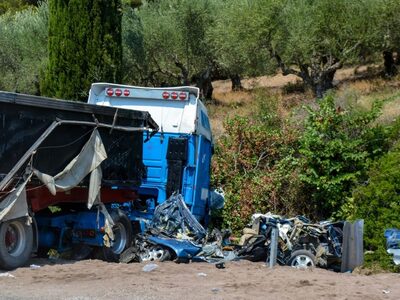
x=16 y=243
x=302 y=259
x=122 y=231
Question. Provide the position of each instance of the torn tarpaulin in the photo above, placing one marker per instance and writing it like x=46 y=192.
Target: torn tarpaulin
x=14 y=205
x=87 y=161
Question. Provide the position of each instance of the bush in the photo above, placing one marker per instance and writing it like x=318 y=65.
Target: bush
x=336 y=149
x=255 y=166
x=378 y=202
x=23 y=50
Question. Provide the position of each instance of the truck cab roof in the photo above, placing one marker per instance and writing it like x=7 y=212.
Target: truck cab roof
x=175 y=109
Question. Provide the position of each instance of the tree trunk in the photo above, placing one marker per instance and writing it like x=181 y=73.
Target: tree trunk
x=389 y=63
x=318 y=76
x=323 y=82
x=236 y=82
x=204 y=83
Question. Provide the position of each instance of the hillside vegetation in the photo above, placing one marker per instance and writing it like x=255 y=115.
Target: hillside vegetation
x=303 y=95
x=280 y=150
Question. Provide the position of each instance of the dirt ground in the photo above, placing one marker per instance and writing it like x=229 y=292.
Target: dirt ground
x=93 y=279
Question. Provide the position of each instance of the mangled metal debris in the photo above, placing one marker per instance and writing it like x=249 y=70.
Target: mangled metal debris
x=303 y=244
x=175 y=234
x=392 y=236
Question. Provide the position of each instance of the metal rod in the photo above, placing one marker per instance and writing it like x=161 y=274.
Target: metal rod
x=274 y=247
x=121 y=128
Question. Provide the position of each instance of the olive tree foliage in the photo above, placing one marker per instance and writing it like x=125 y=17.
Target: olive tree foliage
x=316 y=38
x=23 y=48
x=241 y=36
x=16 y=5
x=389 y=40
x=165 y=43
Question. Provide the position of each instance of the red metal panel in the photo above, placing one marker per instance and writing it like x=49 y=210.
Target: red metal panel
x=40 y=198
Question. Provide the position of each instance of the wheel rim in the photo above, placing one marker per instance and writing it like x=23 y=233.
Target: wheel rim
x=120 y=238
x=153 y=254
x=302 y=261
x=15 y=238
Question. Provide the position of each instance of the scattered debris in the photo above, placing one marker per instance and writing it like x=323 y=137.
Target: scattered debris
x=53 y=254
x=386 y=291
x=220 y=265
x=301 y=244
x=7 y=275
x=34 y=267
x=392 y=236
x=175 y=234
x=149 y=267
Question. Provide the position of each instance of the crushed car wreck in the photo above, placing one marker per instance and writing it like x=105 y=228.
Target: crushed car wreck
x=174 y=234
x=300 y=242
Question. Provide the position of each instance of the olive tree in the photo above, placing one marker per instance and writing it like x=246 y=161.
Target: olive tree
x=316 y=38
x=389 y=34
x=165 y=43
x=23 y=48
x=241 y=37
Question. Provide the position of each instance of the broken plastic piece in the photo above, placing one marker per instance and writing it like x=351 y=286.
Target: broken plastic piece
x=150 y=267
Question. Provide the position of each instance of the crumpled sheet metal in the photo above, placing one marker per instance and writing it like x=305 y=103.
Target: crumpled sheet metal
x=352 y=247
x=396 y=255
x=173 y=226
x=87 y=161
x=392 y=236
x=173 y=219
x=108 y=236
x=323 y=240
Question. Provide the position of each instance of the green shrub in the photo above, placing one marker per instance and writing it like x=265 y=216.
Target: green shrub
x=254 y=164
x=378 y=203
x=336 y=149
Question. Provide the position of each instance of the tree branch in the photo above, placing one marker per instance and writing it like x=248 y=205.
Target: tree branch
x=285 y=70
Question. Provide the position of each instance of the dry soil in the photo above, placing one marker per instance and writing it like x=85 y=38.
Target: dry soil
x=93 y=279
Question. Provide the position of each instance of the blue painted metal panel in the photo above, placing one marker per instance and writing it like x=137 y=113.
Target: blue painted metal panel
x=202 y=177
x=196 y=174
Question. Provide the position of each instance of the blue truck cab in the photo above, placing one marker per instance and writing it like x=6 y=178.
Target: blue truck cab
x=177 y=158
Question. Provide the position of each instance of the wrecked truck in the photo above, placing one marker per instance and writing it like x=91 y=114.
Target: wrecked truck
x=75 y=175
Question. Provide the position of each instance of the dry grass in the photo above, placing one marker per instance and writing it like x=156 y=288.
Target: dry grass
x=358 y=86
x=227 y=104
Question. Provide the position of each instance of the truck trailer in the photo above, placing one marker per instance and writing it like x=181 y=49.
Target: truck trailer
x=75 y=174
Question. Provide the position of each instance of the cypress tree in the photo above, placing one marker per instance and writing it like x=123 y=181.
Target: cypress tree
x=85 y=46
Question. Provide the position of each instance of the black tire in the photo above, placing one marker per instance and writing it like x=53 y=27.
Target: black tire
x=129 y=255
x=302 y=259
x=122 y=230
x=16 y=243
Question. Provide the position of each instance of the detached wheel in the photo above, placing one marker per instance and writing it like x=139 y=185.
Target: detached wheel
x=155 y=253
x=16 y=242
x=302 y=259
x=122 y=231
